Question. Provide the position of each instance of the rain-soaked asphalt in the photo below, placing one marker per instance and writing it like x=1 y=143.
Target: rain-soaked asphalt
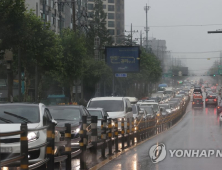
x=198 y=130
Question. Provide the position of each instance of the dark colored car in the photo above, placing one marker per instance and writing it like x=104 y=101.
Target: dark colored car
x=197 y=90
x=69 y=114
x=211 y=100
x=197 y=103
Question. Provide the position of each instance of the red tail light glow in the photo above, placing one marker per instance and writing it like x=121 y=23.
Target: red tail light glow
x=193 y=102
x=218 y=107
x=206 y=100
x=215 y=100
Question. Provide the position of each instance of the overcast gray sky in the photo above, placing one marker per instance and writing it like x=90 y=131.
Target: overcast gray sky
x=180 y=39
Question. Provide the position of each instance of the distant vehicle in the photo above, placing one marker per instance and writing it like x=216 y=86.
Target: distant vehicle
x=116 y=107
x=69 y=114
x=197 y=90
x=100 y=113
x=161 y=87
x=137 y=112
x=155 y=106
x=168 y=107
x=197 y=103
x=211 y=100
x=149 y=111
x=133 y=100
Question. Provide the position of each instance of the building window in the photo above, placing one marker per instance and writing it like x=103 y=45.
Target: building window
x=104 y=6
x=90 y=14
x=110 y=15
x=90 y=6
x=52 y=4
x=111 y=24
x=110 y=1
x=110 y=7
x=111 y=32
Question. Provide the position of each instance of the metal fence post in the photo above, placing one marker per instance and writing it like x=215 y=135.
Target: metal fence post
x=68 y=146
x=122 y=132
x=82 y=143
x=128 y=132
x=94 y=138
x=133 y=130
x=49 y=149
x=116 y=136
x=24 y=146
x=138 y=131
x=110 y=136
x=103 y=136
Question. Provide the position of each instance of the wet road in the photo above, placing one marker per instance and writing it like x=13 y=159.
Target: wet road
x=199 y=129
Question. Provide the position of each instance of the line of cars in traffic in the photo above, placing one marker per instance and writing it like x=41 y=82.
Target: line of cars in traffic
x=38 y=115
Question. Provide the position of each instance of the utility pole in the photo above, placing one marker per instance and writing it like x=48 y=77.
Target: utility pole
x=131 y=34
x=141 y=39
x=146 y=8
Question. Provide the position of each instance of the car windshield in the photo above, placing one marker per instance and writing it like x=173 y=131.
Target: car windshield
x=149 y=110
x=108 y=105
x=154 y=106
x=211 y=97
x=20 y=113
x=97 y=113
x=65 y=113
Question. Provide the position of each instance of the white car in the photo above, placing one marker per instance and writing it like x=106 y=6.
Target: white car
x=155 y=106
x=116 y=107
x=36 y=116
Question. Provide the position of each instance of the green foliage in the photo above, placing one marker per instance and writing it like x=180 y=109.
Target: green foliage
x=11 y=22
x=98 y=28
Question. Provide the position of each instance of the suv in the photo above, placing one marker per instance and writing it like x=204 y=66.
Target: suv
x=116 y=107
x=211 y=100
x=12 y=115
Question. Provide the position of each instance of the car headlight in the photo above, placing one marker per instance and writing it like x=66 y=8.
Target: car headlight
x=158 y=114
x=77 y=130
x=32 y=136
x=120 y=119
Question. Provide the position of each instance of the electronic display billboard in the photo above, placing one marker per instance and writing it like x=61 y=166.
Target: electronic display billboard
x=123 y=59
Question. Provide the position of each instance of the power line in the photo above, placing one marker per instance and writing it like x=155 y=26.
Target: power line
x=196 y=52
x=164 y=26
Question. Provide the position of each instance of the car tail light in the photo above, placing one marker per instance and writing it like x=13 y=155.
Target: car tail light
x=218 y=107
x=193 y=102
x=215 y=100
x=206 y=100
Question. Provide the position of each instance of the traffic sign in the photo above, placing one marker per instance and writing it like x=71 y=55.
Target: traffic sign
x=121 y=75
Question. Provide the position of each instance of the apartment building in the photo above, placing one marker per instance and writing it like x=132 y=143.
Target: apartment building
x=53 y=11
x=115 y=17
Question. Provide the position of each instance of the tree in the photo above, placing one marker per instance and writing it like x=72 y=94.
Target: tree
x=98 y=28
x=11 y=21
x=73 y=60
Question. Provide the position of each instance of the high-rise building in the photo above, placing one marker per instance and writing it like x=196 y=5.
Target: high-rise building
x=53 y=11
x=115 y=17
